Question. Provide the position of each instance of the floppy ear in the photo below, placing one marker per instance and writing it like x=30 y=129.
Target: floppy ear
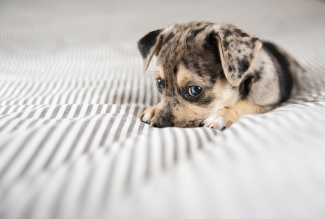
x=149 y=45
x=237 y=52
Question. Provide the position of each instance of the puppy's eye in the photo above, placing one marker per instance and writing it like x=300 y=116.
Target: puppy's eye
x=160 y=84
x=194 y=91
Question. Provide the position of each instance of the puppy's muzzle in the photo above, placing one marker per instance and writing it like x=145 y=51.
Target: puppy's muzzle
x=163 y=123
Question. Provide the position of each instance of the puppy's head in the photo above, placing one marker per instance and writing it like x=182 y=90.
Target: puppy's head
x=199 y=68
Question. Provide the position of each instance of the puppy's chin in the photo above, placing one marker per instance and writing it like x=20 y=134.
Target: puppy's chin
x=188 y=124
x=201 y=124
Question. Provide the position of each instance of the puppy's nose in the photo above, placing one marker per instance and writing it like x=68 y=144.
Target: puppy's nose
x=163 y=124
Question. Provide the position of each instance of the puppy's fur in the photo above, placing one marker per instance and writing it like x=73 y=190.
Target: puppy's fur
x=238 y=73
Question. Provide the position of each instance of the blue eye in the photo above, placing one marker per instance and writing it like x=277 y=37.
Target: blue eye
x=194 y=91
x=160 y=84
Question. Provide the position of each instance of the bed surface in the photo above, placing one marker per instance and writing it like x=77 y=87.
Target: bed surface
x=71 y=95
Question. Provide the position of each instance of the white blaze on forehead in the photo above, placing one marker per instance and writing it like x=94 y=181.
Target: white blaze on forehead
x=169 y=28
x=217 y=26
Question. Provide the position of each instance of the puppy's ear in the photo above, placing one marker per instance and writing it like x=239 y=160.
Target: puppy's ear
x=237 y=51
x=149 y=45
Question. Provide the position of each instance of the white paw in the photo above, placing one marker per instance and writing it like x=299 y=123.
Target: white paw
x=215 y=121
x=148 y=116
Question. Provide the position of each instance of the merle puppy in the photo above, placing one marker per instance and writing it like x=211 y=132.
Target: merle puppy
x=212 y=74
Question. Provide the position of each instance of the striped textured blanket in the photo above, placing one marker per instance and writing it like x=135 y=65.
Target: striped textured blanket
x=71 y=94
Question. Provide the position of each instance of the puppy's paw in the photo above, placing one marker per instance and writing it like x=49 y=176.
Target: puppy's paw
x=215 y=121
x=148 y=116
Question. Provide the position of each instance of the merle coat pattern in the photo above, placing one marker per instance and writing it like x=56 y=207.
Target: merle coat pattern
x=237 y=74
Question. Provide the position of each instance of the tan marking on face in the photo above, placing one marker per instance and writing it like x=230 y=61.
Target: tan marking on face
x=160 y=73
x=225 y=95
x=191 y=115
x=162 y=104
x=187 y=77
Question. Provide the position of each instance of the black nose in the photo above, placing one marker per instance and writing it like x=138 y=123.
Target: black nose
x=163 y=124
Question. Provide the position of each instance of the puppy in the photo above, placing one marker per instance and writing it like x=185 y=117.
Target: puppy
x=212 y=74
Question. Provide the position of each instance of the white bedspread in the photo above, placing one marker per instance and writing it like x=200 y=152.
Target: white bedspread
x=71 y=94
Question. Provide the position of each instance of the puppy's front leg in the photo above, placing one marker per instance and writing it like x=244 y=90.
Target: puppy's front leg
x=148 y=116
x=227 y=116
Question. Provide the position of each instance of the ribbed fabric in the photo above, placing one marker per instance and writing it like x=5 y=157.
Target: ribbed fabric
x=72 y=144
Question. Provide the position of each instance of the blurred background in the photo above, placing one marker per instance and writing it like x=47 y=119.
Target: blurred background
x=92 y=29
